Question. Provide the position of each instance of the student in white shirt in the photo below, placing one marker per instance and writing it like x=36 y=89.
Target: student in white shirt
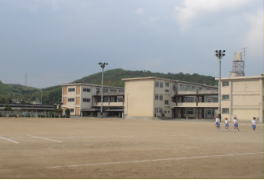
x=227 y=123
x=254 y=123
x=235 y=123
x=217 y=121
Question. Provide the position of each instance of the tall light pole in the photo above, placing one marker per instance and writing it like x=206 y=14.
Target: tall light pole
x=219 y=54
x=102 y=65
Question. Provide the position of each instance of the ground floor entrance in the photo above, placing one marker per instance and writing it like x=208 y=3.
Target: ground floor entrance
x=193 y=113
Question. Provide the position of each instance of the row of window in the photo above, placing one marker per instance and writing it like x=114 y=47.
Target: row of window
x=161 y=111
x=98 y=89
x=84 y=99
x=84 y=90
x=161 y=84
x=158 y=97
x=225 y=110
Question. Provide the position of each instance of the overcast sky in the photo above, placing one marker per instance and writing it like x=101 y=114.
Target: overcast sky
x=58 y=41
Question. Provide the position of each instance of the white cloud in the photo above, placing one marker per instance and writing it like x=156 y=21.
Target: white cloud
x=191 y=9
x=140 y=11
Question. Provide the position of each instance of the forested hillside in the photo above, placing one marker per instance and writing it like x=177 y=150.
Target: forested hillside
x=52 y=95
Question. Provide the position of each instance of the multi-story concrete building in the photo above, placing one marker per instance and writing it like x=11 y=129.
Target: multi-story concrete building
x=85 y=99
x=243 y=97
x=153 y=97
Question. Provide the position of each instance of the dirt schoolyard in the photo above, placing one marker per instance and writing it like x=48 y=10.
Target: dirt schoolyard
x=118 y=148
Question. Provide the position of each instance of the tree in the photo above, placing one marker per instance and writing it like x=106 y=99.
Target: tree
x=67 y=113
x=7 y=108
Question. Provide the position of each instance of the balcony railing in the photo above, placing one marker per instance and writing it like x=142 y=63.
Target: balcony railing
x=201 y=92
x=110 y=104
x=199 y=104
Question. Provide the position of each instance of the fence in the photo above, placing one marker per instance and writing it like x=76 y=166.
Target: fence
x=30 y=114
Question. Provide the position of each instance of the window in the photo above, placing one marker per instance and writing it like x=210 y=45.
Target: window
x=86 y=99
x=225 y=97
x=86 y=89
x=161 y=97
x=211 y=99
x=166 y=90
x=209 y=112
x=167 y=84
x=70 y=99
x=105 y=90
x=189 y=111
x=161 y=84
x=225 y=83
x=156 y=97
x=113 y=90
x=156 y=84
x=71 y=110
x=225 y=110
x=166 y=102
x=188 y=99
x=71 y=89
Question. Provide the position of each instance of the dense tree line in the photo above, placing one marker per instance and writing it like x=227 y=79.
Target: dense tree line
x=52 y=95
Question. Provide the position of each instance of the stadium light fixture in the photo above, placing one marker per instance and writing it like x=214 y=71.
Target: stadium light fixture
x=219 y=54
x=102 y=65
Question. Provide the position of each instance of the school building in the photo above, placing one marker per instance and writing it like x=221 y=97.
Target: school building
x=153 y=97
x=85 y=99
x=243 y=97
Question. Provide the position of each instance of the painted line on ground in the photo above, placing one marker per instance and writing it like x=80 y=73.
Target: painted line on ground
x=44 y=138
x=8 y=139
x=155 y=160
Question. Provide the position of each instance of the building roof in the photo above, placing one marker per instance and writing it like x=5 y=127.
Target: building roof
x=241 y=77
x=88 y=84
x=165 y=79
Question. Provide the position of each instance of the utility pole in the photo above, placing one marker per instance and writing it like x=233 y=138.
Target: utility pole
x=102 y=65
x=219 y=54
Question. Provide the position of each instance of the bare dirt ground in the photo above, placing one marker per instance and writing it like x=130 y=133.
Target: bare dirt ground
x=117 y=148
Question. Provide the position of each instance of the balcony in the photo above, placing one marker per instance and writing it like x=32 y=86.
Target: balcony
x=109 y=104
x=201 y=92
x=200 y=104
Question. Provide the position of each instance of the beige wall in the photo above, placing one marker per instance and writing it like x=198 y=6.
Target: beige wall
x=139 y=98
x=245 y=98
x=77 y=111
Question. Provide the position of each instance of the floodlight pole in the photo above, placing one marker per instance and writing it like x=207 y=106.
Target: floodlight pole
x=219 y=54
x=102 y=65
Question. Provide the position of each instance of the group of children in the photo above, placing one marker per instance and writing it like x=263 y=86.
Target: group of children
x=235 y=121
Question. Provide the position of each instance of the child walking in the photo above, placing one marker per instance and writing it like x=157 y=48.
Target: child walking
x=226 y=123
x=254 y=123
x=235 y=123
x=217 y=121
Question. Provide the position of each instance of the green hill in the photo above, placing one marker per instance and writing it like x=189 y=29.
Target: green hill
x=113 y=77
x=14 y=91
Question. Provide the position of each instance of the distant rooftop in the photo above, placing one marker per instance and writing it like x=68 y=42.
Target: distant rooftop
x=88 y=84
x=165 y=79
x=242 y=77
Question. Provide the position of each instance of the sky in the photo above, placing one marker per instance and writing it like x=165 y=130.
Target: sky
x=58 y=41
